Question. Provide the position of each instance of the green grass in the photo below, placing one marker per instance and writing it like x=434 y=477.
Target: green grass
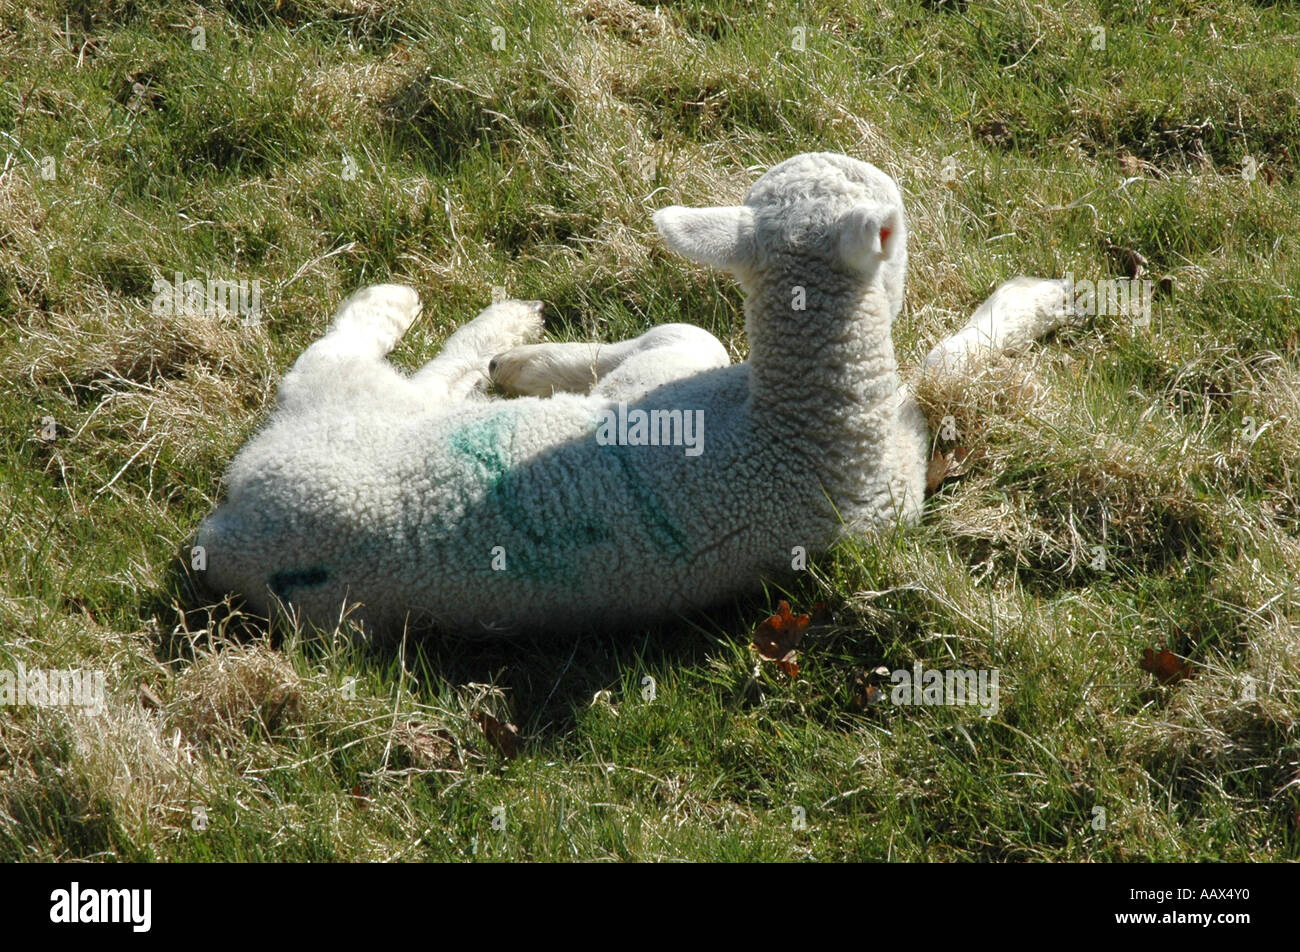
x=535 y=167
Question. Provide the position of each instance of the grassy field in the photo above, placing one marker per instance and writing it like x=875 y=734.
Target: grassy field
x=1129 y=485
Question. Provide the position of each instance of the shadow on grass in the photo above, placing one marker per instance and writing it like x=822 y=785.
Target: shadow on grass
x=547 y=678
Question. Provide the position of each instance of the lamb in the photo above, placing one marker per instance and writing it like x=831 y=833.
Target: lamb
x=579 y=503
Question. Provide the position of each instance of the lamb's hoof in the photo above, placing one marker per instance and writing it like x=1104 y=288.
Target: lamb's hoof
x=396 y=303
x=514 y=322
x=1046 y=298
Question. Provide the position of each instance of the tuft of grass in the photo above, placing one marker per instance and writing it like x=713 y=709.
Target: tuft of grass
x=1128 y=485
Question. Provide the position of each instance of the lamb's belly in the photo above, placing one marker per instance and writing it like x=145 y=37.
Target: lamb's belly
x=577 y=536
x=588 y=567
x=582 y=533
x=460 y=528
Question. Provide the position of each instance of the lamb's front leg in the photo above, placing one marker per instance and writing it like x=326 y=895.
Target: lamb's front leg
x=462 y=364
x=660 y=355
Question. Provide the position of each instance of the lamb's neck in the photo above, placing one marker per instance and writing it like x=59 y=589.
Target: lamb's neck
x=829 y=377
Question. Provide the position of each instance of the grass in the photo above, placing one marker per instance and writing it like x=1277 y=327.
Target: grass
x=524 y=147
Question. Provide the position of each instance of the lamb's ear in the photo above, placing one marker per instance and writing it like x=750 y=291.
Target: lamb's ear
x=721 y=237
x=870 y=234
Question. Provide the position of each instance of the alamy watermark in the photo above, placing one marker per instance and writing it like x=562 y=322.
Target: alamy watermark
x=637 y=427
x=210 y=297
x=59 y=688
x=938 y=687
x=77 y=905
x=1110 y=297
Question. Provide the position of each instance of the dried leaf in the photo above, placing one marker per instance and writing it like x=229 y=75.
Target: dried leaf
x=777 y=637
x=937 y=470
x=429 y=747
x=503 y=736
x=944 y=466
x=866 y=693
x=1165 y=665
x=866 y=687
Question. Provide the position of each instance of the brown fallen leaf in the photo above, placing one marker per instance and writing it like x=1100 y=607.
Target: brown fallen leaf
x=139 y=92
x=777 y=637
x=866 y=687
x=428 y=746
x=936 y=471
x=1130 y=163
x=1165 y=665
x=362 y=800
x=503 y=736
x=943 y=466
x=1130 y=261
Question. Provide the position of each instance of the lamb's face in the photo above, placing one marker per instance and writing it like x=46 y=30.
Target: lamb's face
x=810 y=213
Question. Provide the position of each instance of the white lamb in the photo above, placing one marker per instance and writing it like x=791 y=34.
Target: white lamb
x=419 y=500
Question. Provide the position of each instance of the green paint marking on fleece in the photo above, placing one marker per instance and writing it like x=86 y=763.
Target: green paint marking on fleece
x=542 y=549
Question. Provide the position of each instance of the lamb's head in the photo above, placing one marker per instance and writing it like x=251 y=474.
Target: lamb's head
x=811 y=212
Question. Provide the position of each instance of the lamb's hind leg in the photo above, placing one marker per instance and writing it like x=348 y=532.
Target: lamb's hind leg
x=1017 y=312
x=461 y=367
x=660 y=355
x=364 y=330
